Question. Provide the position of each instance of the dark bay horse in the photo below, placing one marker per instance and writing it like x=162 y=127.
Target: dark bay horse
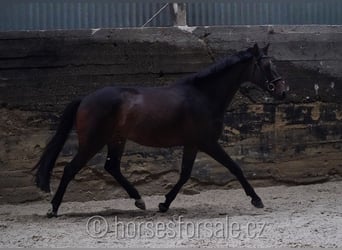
x=188 y=113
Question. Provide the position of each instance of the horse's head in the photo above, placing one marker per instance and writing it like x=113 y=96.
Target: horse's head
x=265 y=75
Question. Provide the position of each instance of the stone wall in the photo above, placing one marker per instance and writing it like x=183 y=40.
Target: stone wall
x=295 y=141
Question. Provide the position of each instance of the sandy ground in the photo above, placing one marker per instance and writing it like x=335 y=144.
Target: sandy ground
x=297 y=216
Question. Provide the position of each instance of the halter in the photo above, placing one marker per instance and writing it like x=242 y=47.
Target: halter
x=270 y=84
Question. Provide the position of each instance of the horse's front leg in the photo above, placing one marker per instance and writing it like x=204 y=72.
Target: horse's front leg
x=189 y=155
x=112 y=166
x=215 y=151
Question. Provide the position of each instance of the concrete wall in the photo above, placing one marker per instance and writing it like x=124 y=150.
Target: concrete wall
x=296 y=141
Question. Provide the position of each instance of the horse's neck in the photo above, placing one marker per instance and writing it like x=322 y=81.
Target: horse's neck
x=222 y=91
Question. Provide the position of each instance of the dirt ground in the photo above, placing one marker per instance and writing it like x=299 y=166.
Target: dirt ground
x=296 y=216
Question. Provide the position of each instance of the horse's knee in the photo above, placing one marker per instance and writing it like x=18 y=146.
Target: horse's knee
x=111 y=169
x=235 y=169
x=184 y=177
x=70 y=170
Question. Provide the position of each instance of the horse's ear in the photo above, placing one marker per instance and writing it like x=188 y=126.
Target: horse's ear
x=265 y=49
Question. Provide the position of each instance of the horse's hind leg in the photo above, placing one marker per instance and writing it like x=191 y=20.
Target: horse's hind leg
x=112 y=166
x=216 y=151
x=70 y=170
x=189 y=155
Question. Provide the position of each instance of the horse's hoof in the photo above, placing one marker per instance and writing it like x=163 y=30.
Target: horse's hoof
x=140 y=204
x=163 y=208
x=51 y=214
x=257 y=203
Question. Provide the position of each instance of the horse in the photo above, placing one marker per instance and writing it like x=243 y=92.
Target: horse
x=187 y=113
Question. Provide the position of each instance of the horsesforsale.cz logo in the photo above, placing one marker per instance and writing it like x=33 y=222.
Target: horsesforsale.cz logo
x=98 y=227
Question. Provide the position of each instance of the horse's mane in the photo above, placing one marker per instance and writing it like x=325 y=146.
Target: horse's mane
x=217 y=68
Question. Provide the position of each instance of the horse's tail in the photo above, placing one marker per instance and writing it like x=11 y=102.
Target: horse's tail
x=54 y=147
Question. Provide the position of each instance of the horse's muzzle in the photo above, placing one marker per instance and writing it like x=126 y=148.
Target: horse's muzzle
x=281 y=88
